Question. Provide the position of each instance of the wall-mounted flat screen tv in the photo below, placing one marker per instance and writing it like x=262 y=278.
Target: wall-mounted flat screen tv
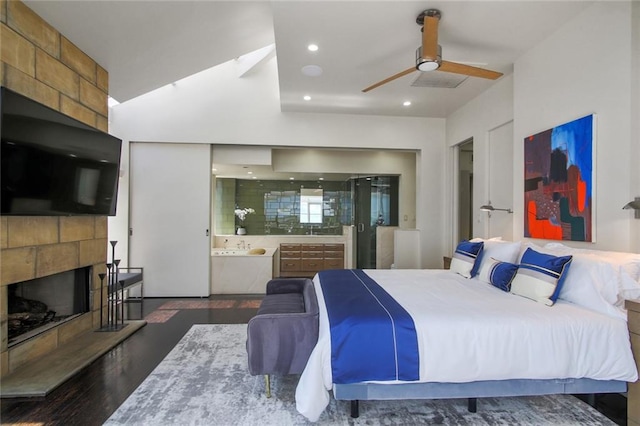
x=53 y=165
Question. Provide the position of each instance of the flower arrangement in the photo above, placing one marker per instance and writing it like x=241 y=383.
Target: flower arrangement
x=242 y=213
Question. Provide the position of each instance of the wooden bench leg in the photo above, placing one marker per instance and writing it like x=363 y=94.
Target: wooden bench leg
x=267 y=383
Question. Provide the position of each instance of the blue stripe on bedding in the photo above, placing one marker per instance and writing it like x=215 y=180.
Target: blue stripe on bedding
x=372 y=336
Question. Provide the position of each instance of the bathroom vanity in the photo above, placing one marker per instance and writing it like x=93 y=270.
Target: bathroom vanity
x=236 y=271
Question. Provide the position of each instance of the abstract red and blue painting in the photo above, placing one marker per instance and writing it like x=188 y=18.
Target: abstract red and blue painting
x=558 y=182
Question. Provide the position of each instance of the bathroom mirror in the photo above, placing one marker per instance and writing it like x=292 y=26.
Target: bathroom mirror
x=310 y=205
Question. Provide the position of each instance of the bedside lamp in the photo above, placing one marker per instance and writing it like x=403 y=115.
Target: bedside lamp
x=635 y=205
x=489 y=208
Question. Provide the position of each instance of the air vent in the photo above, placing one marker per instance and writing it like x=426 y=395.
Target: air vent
x=443 y=80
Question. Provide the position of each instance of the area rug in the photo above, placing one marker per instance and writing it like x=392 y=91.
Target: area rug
x=204 y=381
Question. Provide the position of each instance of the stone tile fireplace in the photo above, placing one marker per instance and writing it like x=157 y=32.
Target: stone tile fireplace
x=41 y=304
x=40 y=63
x=34 y=247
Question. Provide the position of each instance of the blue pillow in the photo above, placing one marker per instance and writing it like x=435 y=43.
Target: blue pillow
x=540 y=276
x=464 y=258
x=499 y=274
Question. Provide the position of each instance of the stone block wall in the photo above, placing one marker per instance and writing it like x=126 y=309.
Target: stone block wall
x=40 y=63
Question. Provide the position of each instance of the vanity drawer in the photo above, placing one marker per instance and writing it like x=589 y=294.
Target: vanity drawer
x=312 y=264
x=289 y=247
x=333 y=254
x=333 y=264
x=289 y=254
x=312 y=255
x=334 y=247
x=290 y=265
x=312 y=247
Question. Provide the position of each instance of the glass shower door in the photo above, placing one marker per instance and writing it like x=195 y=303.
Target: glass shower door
x=376 y=204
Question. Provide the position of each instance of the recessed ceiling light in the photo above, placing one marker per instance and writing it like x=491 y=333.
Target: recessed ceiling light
x=311 y=70
x=406 y=103
x=307 y=98
x=254 y=177
x=249 y=173
x=291 y=178
x=321 y=178
x=312 y=47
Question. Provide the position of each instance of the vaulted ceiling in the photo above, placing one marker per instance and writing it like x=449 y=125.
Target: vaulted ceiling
x=148 y=44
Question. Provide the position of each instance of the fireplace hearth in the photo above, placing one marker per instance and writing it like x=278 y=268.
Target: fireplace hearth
x=38 y=305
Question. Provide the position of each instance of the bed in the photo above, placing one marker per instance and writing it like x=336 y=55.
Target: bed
x=475 y=340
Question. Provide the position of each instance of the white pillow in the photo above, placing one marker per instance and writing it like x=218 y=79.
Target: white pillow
x=477 y=239
x=627 y=262
x=503 y=251
x=525 y=244
x=628 y=288
x=593 y=284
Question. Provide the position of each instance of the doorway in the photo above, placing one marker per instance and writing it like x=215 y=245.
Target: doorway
x=465 y=190
x=169 y=211
x=375 y=201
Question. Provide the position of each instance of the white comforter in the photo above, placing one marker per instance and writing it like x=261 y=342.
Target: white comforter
x=469 y=331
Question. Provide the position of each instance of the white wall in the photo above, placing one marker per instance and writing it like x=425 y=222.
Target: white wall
x=217 y=107
x=492 y=109
x=590 y=65
x=583 y=68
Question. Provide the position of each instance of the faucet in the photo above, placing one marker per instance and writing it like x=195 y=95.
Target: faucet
x=241 y=243
x=226 y=240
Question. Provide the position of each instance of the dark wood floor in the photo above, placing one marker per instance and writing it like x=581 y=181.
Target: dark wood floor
x=90 y=397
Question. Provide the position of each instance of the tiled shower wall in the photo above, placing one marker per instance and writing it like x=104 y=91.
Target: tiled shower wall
x=276 y=205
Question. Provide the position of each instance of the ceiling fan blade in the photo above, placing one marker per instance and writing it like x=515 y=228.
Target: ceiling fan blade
x=430 y=37
x=457 y=68
x=393 y=77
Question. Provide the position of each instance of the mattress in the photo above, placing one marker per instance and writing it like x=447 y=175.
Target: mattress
x=470 y=331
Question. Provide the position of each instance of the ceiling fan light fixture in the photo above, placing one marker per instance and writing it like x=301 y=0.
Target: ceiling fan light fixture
x=427 y=64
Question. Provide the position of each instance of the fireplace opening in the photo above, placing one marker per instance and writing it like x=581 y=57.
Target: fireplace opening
x=38 y=305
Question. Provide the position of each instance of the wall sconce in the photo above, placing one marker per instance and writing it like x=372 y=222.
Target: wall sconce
x=489 y=208
x=635 y=205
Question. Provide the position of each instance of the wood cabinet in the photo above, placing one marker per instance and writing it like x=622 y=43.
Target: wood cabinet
x=633 y=393
x=306 y=259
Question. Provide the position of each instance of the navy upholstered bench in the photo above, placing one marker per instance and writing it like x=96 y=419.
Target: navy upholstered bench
x=283 y=333
x=128 y=278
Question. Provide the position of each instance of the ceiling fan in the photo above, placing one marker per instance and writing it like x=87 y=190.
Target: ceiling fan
x=429 y=55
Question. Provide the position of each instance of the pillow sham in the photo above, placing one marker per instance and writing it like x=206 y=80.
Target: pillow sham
x=540 y=276
x=504 y=251
x=498 y=274
x=464 y=258
x=593 y=284
x=627 y=262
